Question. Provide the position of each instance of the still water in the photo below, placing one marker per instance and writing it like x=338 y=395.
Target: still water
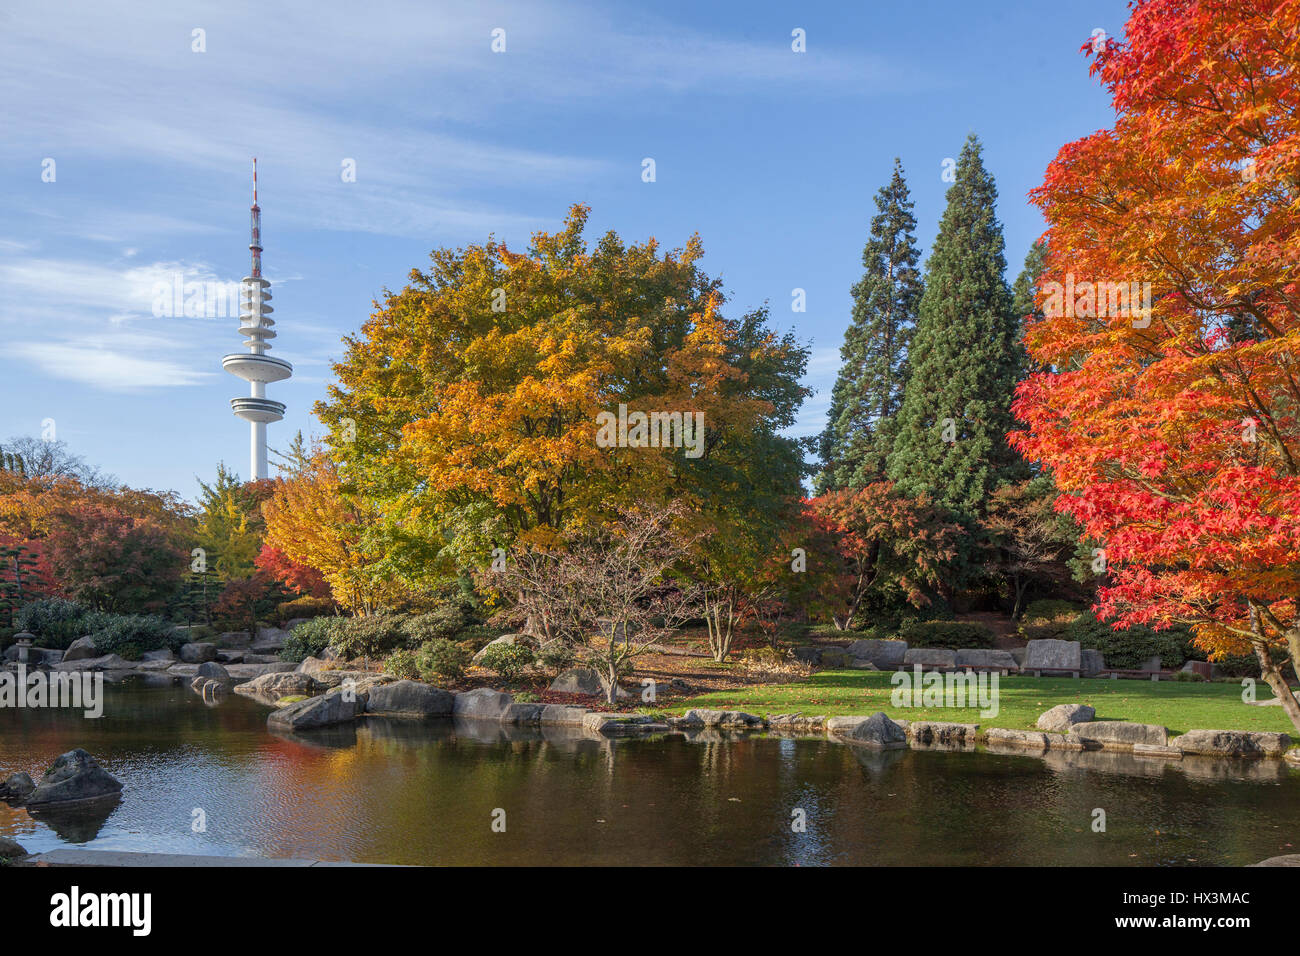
x=427 y=793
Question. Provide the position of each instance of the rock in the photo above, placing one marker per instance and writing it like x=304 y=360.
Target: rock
x=1050 y=654
x=1286 y=859
x=1062 y=717
x=796 y=723
x=293 y=622
x=211 y=670
x=11 y=849
x=1018 y=655
x=721 y=718
x=273 y=686
x=1091 y=662
x=563 y=715
x=482 y=704
x=1119 y=735
x=1063 y=742
x=164 y=654
x=1232 y=743
x=236 y=639
x=335 y=707
x=408 y=698
x=1027 y=739
x=109 y=662
x=981 y=657
x=511 y=639
x=243 y=672
x=877 y=731
x=251 y=658
x=80 y=649
x=928 y=733
x=1153 y=750
x=269 y=639
x=73 y=776
x=930 y=657
x=622 y=725
x=578 y=680
x=523 y=714
x=883 y=653
x=17 y=787
x=808 y=654
x=227 y=655
x=198 y=653
x=836 y=657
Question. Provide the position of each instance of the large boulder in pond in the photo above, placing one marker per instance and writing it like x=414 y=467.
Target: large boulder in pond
x=877 y=731
x=1062 y=717
x=74 y=776
x=1232 y=743
x=214 y=671
x=482 y=704
x=80 y=649
x=336 y=707
x=17 y=787
x=198 y=653
x=408 y=698
x=274 y=685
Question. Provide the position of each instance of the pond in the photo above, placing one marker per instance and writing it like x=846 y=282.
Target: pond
x=384 y=791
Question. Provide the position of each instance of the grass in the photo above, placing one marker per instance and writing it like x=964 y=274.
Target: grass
x=1180 y=706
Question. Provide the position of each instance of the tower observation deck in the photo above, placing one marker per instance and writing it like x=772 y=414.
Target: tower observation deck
x=255 y=366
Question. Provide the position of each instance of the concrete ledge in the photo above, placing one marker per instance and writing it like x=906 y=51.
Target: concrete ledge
x=123 y=858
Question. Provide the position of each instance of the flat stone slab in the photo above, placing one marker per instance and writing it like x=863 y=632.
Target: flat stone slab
x=1154 y=750
x=982 y=657
x=1232 y=743
x=721 y=718
x=796 y=723
x=563 y=715
x=930 y=657
x=482 y=704
x=622 y=725
x=1053 y=655
x=882 y=653
x=1119 y=735
x=1025 y=739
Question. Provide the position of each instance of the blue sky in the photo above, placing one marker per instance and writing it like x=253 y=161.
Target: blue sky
x=771 y=156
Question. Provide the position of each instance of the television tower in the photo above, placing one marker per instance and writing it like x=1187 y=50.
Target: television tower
x=255 y=366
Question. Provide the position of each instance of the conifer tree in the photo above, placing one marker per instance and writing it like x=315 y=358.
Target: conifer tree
x=869 y=388
x=966 y=356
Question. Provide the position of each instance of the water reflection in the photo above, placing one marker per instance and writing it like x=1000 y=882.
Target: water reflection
x=424 y=792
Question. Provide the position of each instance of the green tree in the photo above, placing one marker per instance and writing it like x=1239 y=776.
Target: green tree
x=966 y=356
x=230 y=527
x=869 y=390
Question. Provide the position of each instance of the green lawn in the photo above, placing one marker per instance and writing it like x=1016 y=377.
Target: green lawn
x=1177 y=705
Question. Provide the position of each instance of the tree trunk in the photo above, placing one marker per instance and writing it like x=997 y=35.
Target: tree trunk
x=1273 y=677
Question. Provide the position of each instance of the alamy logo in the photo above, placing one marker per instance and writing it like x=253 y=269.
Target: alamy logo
x=651 y=430
x=953 y=690
x=82 y=690
x=73 y=909
x=196 y=299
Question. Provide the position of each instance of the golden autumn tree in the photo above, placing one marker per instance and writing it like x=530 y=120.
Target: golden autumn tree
x=1169 y=407
x=470 y=405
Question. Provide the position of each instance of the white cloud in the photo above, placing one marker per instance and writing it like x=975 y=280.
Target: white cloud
x=106 y=369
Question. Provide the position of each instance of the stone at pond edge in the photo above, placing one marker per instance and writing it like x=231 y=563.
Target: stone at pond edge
x=11 y=849
x=74 y=776
x=927 y=733
x=280 y=684
x=1062 y=717
x=214 y=671
x=720 y=718
x=622 y=725
x=80 y=649
x=1028 y=739
x=16 y=788
x=1232 y=743
x=410 y=698
x=877 y=731
x=198 y=653
x=1119 y=735
x=336 y=707
x=482 y=704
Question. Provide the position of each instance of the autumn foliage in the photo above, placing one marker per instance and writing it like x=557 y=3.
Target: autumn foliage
x=1173 y=434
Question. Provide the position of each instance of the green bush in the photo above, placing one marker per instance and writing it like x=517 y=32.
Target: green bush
x=442 y=623
x=508 y=660
x=303 y=607
x=55 y=622
x=556 y=657
x=403 y=664
x=131 y=634
x=478 y=636
x=310 y=638
x=950 y=634
x=1130 y=648
x=442 y=658
x=1048 y=619
x=374 y=636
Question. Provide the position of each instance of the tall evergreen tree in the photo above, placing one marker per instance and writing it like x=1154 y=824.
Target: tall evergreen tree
x=966 y=356
x=869 y=388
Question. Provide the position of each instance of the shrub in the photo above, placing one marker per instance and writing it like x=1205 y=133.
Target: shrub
x=1132 y=647
x=303 y=607
x=1048 y=619
x=55 y=622
x=131 y=634
x=442 y=623
x=478 y=636
x=1188 y=676
x=508 y=660
x=950 y=634
x=374 y=636
x=556 y=657
x=442 y=658
x=310 y=638
x=403 y=664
